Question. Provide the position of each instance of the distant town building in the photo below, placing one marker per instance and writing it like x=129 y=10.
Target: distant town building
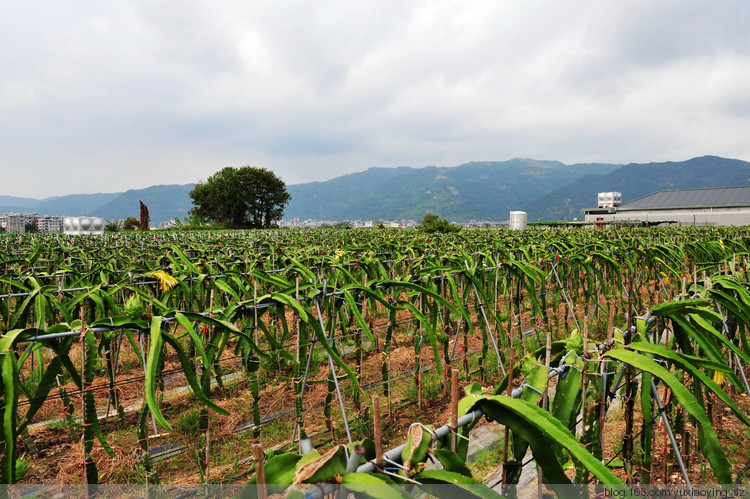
x=18 y=223
x=13 y=222
x=29 y=219
x=48 y=223
x=354 y=224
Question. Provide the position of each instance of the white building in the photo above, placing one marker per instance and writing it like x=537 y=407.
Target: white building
x=13 y=222
x=48 y=223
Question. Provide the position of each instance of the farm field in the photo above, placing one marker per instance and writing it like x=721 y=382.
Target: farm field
x=608 y=356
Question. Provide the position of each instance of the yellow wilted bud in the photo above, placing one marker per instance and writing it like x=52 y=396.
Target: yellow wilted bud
x=719 y=377
x=721 y=243
x=166 y=281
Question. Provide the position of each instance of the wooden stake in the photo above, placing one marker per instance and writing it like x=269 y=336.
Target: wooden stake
x=585 y=371
x=377 y=432
x=83 y=383
x=255 y=312
x=627 y=442
x=388 y=381
x=511 y=361
x=545 y=403
x=207 y=454
x=454 y=409
x=604 y=368
x=260 y=472
x=419 y=357
x=297 y=323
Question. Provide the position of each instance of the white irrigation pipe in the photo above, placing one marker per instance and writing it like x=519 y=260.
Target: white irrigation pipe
x=395 y=454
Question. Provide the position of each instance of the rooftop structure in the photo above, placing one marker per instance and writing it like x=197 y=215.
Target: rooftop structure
x=693 y=198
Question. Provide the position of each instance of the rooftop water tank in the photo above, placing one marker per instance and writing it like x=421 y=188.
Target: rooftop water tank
x=609 y=199
x=517 y=220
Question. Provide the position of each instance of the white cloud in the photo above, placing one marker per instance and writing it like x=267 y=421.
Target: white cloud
x=128 y=94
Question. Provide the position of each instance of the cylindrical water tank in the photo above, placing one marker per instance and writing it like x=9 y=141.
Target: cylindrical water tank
x=517 y=220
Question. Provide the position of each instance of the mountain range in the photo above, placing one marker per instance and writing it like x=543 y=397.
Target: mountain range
x=165 y=202
x=546 y=190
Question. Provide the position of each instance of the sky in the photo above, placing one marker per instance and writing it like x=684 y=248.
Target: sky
x=106 y=96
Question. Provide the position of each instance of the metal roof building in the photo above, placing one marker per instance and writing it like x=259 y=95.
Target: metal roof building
x=709 y=206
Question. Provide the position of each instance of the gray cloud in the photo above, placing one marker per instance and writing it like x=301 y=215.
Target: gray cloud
x=115 y=95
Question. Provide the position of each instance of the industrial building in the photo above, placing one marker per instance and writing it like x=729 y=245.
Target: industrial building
x=709 y=206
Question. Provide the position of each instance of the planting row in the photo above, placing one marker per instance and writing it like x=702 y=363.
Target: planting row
x=668 y=306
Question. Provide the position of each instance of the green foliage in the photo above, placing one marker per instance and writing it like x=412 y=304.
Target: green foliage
x=134 y=307
x=188 y=424
x=241 y=198
x=194 y=222
x=131 y=223
x=432 y=224
x=22 y=467
x=418 y=287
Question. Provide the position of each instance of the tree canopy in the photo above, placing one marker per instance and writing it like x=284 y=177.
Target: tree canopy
x=432 y=223
x=241 y=198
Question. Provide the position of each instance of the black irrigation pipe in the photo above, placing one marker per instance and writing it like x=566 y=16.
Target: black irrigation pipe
x=177 y=448
x=136 y=379
x=246 y=309
x=119 y=383
x=213 y=276
x=171 y=372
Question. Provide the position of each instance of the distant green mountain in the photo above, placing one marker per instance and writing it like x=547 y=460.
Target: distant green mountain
x=165 y=202
x=546 y=190
x=14 y=203
x=333 y=199
x=637 y=180
x=477 y=190
x=74 y=204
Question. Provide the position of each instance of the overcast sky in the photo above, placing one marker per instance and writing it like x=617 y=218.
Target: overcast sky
x=105 y=96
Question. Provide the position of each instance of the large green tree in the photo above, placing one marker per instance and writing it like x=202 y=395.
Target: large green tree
x=241 y=198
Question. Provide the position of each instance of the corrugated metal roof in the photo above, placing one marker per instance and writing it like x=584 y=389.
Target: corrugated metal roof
x=693 y=198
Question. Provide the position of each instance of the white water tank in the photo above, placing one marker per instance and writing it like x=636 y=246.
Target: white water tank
x=83 y=225
x=517 y=220
x=609 y=199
